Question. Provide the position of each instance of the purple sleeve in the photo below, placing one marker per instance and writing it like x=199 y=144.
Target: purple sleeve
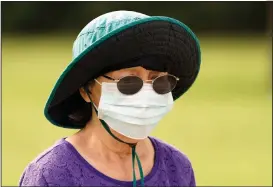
x=192 y=181
x=32 y=176
x=47 y=174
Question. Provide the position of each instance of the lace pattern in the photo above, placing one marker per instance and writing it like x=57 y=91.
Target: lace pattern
x=61 y=165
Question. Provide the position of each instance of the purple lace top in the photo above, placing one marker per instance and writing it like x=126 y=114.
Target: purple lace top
x=62 y=165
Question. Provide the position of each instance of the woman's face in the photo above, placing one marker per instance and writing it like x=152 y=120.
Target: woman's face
x=95 y=88
x=139 y=71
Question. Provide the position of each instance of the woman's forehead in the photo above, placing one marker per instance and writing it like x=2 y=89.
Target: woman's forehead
x=137 y=69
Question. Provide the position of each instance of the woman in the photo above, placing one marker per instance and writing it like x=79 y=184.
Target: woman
x=127 y=70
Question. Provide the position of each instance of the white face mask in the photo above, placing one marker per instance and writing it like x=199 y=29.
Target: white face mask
x=133 y=116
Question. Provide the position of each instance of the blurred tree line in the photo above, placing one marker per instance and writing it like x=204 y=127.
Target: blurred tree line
x=73 y=16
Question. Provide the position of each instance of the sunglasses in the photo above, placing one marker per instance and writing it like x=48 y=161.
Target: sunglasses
x=130 y=85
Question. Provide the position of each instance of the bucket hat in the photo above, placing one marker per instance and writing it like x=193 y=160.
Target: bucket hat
x=117 y=40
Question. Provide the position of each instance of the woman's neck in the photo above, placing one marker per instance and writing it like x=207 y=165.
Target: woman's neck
x=95 y=137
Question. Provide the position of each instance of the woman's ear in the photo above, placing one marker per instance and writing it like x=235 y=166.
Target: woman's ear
x=84 y=94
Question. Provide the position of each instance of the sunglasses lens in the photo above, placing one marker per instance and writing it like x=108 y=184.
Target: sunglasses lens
x=130 y=85
x=164 y=84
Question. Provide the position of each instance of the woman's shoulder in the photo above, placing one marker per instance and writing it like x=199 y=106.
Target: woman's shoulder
x=50 y=166
x=170 y=151
x=174 y=162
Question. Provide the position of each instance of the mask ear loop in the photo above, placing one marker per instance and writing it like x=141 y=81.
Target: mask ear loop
x=133 y=146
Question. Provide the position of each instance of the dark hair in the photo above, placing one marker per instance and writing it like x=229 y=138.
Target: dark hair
x=81 y=112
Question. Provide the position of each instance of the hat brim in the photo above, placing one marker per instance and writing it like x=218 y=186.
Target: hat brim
x=154 y=36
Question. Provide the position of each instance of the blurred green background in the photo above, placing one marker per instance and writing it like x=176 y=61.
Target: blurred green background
x=223 y=123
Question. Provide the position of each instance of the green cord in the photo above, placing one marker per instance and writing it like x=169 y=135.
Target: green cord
x=134 y=155
x=133 y=146
x=140 y=170
x=133 y=161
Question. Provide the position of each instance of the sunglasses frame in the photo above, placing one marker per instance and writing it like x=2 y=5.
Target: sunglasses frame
x=152 y=81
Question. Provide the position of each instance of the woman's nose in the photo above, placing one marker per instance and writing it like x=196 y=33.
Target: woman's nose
x=144 y=75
